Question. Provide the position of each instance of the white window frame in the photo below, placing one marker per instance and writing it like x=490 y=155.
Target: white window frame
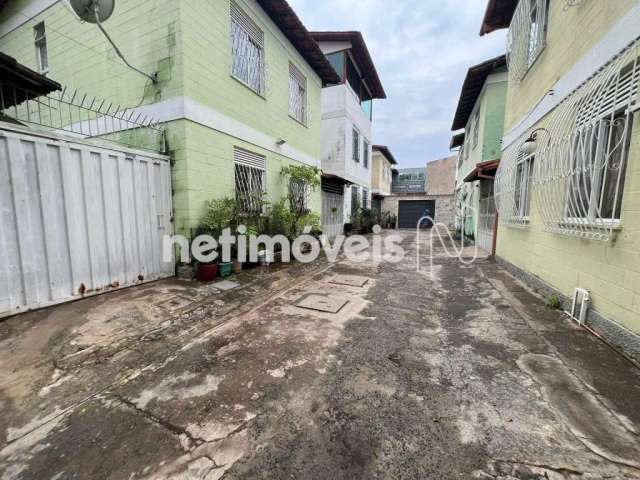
x=40 y=43
x=247 y=51
x=523 y=187
x=297 y=95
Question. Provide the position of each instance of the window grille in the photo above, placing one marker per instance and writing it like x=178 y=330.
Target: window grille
x=476 y=127
x=365 y=153
x=356 y=145
x=365 y=197
x=297 y=94
x=581 y=156
x=299 y=196
x=40 y=41
x=355 y=204
x=247 y=50
x=250 y=181
x=527 y=36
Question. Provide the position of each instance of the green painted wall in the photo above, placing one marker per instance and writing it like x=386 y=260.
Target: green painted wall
x=188 y=43
x=492 y=103
x=609 y=270
x=494 y=99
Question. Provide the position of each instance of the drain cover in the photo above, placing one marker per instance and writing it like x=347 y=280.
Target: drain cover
x=350 y=280
x=225 y=285
x=322 y=303
x=174 y=303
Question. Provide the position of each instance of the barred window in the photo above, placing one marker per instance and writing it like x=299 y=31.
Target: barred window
x=365 y=198
x=249 y=181
x=365 y=153
x=355 y=204
x=527 y=35
x=599 y=164
x=297 y=94
x=247 y=50
x=356 y=145
x=476 y=127
x=522 y=190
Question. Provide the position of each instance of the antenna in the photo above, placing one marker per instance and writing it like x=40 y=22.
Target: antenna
x=98 y=11
x=84 y=9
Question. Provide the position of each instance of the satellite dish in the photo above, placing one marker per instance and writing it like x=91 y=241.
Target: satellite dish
x=86 y=10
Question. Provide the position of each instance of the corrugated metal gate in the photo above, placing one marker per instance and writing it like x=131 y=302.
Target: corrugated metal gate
x=411 y=211
x=78 y=217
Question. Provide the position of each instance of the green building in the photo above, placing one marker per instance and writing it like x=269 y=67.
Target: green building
x=480 y=113
x=237 y=84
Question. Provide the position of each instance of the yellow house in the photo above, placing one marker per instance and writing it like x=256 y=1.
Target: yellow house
x=381 y=175
x=568 y=185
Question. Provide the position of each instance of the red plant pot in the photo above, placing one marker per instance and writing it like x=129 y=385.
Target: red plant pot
x=207 y=272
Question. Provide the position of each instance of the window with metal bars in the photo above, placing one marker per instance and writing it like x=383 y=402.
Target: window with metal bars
x=581 y=154
x=476 y=127
x=355 y=203
x=356 y=145
x=365 y=197
x=297 y=94
x=249 y=181
x=247 y=50
x=365 y=153
x=527 y=35
x=522 y=191
x=594 y=191
x=40 y=42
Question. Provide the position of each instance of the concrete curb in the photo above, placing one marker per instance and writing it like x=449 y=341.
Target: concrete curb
x=617 y=336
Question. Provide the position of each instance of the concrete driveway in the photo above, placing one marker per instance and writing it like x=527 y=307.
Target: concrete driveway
x=457 y=372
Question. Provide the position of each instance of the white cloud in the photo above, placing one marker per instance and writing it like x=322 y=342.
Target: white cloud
x=422 y=51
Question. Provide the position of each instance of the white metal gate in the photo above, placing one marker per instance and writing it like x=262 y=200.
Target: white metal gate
x=332 y=214
x=486 y=220
x=77 y=217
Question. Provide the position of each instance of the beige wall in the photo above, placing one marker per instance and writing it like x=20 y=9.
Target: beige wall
x=441 y=176
x=380 y=184
x=572 y=32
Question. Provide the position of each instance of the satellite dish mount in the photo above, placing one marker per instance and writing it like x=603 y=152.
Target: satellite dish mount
x=98 y=11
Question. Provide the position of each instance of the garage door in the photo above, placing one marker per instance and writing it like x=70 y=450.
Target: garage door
x=78 y=218
x=411 y=211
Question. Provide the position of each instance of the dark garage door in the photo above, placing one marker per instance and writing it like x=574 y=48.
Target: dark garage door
x=410 y=211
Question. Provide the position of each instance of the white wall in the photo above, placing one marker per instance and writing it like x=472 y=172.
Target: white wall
x=341 y=112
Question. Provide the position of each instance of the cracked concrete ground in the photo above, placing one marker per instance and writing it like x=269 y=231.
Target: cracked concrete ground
x=459 y=371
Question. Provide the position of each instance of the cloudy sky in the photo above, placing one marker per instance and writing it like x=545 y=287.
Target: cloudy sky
x=422 y=50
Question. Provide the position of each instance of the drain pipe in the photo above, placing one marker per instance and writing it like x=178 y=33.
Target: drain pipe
x=96 y=13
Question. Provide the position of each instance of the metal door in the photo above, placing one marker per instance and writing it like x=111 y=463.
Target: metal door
x=486 y=220
x=78 y=217
x=411 y=211
x=332 y=214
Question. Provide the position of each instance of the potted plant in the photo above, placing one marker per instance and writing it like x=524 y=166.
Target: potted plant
x=219 y=214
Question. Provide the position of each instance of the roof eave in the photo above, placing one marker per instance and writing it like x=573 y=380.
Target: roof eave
x=292 y=27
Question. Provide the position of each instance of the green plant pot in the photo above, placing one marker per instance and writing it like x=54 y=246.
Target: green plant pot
x=225 y=268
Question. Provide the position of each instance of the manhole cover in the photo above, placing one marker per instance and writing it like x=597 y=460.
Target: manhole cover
x=225 y=285
x=322 y=303
x=350 y=280
x=174 y=303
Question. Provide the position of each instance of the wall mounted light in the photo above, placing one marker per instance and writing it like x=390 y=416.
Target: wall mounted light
x=281 y=141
